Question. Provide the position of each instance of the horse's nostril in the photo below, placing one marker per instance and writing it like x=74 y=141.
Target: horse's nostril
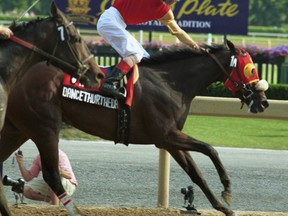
x=265 y=104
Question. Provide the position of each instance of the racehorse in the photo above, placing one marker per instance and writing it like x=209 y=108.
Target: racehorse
x=167 y=84
x=53 y=39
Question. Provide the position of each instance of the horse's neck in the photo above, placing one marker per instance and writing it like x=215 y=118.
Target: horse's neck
x=204 y=72
x=14 y=62
x=188 y=77
x=176 y=83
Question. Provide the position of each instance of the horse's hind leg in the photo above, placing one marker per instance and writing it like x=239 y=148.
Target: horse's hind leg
x=184 y=159
x=181 y=141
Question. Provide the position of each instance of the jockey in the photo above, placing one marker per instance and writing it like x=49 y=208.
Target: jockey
x=112 y=27
x=5 y=32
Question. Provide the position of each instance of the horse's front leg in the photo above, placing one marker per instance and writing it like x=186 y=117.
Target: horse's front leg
x=181 y=141
x=184 y=159
x=3 y=104
x=4 y=209
x=50 y=169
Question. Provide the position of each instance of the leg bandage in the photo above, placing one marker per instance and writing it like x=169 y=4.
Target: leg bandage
x=68 y=204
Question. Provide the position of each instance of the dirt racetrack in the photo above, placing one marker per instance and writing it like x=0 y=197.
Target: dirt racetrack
x=45 y=210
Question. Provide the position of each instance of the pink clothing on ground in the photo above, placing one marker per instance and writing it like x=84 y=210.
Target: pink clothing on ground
x=64 y=164
x=140 y=11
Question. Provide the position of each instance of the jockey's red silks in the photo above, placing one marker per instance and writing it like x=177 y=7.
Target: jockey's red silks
x=130 y=88
x=123 y=66
x=244 y=72
x=140 y=11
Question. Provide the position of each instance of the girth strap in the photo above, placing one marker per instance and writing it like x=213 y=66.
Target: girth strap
x=123 y=123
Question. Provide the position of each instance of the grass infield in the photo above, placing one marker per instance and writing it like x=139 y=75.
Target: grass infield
x=223 y=131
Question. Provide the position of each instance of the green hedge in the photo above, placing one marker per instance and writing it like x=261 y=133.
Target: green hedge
x=275 y=92
x=278 y=92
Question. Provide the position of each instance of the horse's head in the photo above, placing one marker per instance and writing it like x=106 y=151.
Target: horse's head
x=244 y=81
x=72 y=48
x=56 y=40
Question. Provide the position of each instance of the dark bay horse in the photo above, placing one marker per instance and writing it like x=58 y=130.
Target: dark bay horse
x=53 y=39
x=167 y=84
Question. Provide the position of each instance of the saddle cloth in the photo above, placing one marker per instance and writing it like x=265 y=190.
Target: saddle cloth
x=73 y=89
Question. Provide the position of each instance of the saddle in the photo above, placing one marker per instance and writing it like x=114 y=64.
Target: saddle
x=74 y=90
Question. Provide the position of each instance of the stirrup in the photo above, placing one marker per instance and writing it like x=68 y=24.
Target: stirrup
x=123 y=91
x=110 y=89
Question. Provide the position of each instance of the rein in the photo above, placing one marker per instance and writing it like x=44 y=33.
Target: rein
x=81 y=68
x=41 y=52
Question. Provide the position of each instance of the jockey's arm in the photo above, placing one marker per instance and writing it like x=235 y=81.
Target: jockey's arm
x=169 y=21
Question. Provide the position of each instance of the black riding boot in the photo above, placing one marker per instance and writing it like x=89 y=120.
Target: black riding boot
x=111 y=85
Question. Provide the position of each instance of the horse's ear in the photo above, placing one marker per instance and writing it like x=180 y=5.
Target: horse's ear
x=231 y=46
x=54 y=10
x=56 y=13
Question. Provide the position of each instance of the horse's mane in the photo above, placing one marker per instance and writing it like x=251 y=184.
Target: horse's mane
x=173 y=54
x=16 y=26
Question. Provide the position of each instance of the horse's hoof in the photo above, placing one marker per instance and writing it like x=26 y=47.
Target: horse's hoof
x=228 y=198
x=231 y=214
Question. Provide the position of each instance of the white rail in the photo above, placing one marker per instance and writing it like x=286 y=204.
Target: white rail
x=217 y=106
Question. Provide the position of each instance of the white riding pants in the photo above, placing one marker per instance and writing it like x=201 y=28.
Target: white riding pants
x=112 y=28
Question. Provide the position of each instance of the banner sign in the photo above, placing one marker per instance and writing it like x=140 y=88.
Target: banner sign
x=195 y=16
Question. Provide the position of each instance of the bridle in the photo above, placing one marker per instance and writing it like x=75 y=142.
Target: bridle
x=242 y=87
x=80 y=69
x=64 y=39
